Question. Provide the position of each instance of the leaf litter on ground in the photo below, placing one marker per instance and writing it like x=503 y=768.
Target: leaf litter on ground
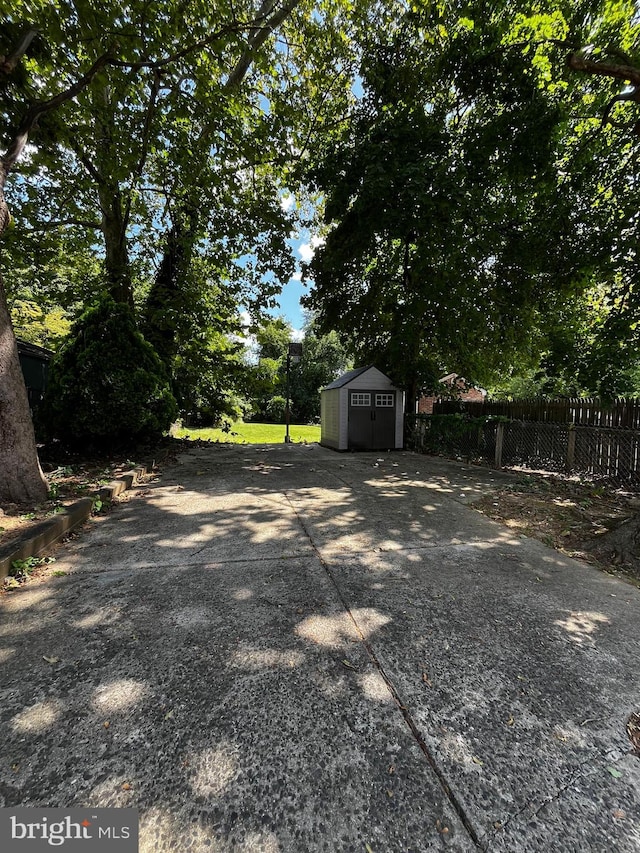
x=568 y=515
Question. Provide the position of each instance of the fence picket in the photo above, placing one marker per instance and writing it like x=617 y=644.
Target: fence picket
x=622 y=413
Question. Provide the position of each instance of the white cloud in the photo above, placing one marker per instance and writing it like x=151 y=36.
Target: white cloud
x=287 y=202
x=297 y=335
x=307 y=250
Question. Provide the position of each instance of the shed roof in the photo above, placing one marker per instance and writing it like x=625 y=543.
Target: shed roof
x=350 y=375
x=346 y=377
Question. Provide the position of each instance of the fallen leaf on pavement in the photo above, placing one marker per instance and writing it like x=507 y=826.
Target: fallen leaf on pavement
x=51 y=660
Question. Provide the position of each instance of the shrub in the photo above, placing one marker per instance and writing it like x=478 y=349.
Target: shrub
x=107 y=384
x=452 y=435
x=275 y=411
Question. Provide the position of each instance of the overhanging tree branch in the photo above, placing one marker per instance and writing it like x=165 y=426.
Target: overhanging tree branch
x=625 y=72
x=40 y=108
x=258 y=36
x=61 y=223
x=259 y=33
x=8 y=63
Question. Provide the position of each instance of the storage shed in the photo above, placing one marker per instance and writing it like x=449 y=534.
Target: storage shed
x=362 y=410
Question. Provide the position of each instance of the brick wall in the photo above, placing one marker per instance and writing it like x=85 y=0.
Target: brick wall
x=472 y=395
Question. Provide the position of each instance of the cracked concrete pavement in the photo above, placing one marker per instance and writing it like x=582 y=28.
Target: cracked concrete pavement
x=282 y=648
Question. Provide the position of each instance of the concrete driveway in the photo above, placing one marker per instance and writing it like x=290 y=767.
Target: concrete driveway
x=282 y=648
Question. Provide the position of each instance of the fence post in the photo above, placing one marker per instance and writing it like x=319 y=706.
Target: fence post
x=499 y=442
x=571 y=448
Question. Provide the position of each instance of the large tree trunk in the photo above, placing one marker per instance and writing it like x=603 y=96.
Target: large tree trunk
x=411 y=392
x=619 y=547
x=21 y=478
x=159 y=328
x=116 y=259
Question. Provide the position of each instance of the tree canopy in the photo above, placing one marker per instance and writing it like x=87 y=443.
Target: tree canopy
x=323 y=358
x=474 y=193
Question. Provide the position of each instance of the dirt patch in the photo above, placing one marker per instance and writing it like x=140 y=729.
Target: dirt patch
x=67 y=483
x=588 y=521
x=73 y=475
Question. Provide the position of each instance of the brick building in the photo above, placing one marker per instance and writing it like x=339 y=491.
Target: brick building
x=456 y=387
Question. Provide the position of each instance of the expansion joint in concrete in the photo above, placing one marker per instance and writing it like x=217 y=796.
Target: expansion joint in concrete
x=408 y=719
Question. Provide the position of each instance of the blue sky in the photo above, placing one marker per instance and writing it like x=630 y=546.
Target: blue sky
x=288 y=302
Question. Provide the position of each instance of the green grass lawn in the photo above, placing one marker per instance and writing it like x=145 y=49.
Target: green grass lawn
x=242 y=433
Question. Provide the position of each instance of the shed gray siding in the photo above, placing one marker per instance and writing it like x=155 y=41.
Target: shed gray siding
x=399 y=420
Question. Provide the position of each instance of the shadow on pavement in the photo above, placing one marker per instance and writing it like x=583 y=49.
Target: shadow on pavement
x=240 y=652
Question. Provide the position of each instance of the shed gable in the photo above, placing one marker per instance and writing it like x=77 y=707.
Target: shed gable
x=372 y=379
x=363 y=377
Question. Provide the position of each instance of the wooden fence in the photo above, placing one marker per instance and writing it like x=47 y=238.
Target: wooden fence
x=622 y=413
x=609 y=454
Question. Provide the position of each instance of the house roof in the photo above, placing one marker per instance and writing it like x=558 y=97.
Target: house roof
x=33 y=350
x=455 y=379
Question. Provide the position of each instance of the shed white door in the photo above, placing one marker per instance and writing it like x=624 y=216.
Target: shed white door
x=372 y=420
